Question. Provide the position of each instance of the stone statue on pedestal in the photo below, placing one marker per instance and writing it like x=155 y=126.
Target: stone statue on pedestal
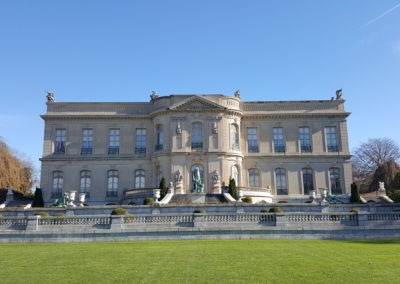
x=198 y=187
x=153 y=96
x=237 y=94
x=216 y=182
x=50 y=97
x=339 y=94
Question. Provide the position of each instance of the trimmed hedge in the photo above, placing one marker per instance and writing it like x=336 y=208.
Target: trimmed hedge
x=275 y=210
x=264 y=211
x=119 y=211
x=148 y=201
x=247 y=199
x=355 y=210
x=199 y=211
x=42 y=214
x=60 y=214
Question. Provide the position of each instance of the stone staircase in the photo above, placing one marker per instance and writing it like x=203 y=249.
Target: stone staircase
x=187 y=198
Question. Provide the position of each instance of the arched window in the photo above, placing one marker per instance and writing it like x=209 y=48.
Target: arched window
x=197 y=136
x=308 y=180
x=254 y=178
x=334 y=176
x=85 y=182
x=160 y=138
x=234 y=137
x=235 y=174
x=140 y=179
x=281 y=186
x=58 y=180
x=112 y=183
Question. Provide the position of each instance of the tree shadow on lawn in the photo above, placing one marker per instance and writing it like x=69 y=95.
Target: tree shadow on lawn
x=371 y=241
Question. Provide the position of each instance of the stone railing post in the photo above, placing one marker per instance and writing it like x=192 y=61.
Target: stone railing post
x=362 y=219
x=116 y=222
x=32 y=223
x=280 y=220
x=198 y=220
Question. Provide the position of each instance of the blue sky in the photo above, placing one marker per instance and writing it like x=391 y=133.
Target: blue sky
x=269 y=50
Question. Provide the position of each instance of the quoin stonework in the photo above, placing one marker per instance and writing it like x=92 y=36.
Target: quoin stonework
x=287 y=149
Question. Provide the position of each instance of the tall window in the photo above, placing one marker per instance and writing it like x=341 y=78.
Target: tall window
x=234 y=136
x=85 y=182
x=87 y=142
x=279 y=143
x=197 y=136
x=305 y=139
x=254 y=178
x=160 y=138
x=331 y=140
x=308 y=180
x=334 y=174
x=141 y=141
x=140 y=179
x=61 y=138
x=252 y=141
x=281 y=186
x=112 y=183
x=58 y=180
x=113 y=141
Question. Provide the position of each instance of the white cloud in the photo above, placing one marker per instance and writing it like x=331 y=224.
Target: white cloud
x=382 y=15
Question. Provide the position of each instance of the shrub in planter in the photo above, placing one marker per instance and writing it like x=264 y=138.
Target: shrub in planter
x=232 y=189
x=148 y=201
x=199 y=211
x=163 y=188
x=38 y=198
x=395 y=195
x=264 y=211
x=247 y=199
x=355 y=194
x=275 y=210
x=119 y=211
x=355 y=210
x=42 y=214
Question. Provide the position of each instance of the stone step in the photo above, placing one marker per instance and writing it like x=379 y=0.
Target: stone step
x=187 y=198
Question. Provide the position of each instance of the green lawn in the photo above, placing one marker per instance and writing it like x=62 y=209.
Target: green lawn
x=281 y=261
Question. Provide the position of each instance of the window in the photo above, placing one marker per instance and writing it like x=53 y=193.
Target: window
x=58 y=180
x=334 y=174
x=281 y=187
x=254 y=178
x=113 y=142
x=235 y=174
x=305 y=139
x=234 y=136
x=61 y=137
x=85 y=182
x=112 y=183
x=87 y=142
x=160 y=138
x=308 y=180
x=279 y=143
x=140 y=179
x=141 y=141
x=331 y=141
x=197 y=136
x=252 y=141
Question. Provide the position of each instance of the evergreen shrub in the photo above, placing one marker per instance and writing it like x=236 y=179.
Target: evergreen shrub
x=199 y=211
x=275 y=210
x=119 y=211
x=148 y=201
x=247 y=199
x=42 y=214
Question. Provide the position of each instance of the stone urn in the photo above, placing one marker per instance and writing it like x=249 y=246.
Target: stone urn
x=82 y=198
x=71 y=198
x=156 y=194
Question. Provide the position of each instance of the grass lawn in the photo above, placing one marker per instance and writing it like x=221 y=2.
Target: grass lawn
x=280 y=261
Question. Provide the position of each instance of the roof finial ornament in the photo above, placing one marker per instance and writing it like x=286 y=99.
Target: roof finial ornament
x=237 y=94
x=339 y=94
x=50 y=96
x=153 y=96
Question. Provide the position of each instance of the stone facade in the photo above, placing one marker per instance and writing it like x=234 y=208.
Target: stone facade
x=288 y=147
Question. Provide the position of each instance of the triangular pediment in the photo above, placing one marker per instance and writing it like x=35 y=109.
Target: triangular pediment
x=197 y=103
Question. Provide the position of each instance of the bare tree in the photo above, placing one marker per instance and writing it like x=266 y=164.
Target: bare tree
x=369 y=156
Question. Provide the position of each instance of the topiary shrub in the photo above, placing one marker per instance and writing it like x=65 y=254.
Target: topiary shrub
x=264 y=211
x=355 y=210
x=275 y=210
x=119 y=211
x=38 y=198
x=60 y=214
x=148 y=201
x=163 y=188
x=42 y=214
x=282 y=201
x=247 y=199
x=232 y=190
x=395 y=195
x=355 y=194
x=199 y=211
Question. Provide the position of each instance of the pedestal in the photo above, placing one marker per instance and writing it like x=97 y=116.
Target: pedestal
x=198 y=197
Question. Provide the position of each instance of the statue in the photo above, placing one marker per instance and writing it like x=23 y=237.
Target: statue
x=50 y=97
x=153 y=96
x=178 y=176
x=215 y=128
x=381 y=186
x=178 y=128
x=198 y=187
x=215 y=177
x=339 y=94
x=237 y=94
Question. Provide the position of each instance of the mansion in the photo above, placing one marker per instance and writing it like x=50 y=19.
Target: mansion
x=289 y=148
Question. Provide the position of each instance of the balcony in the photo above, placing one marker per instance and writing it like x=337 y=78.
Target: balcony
x=333 y=148
x=86 y=151
x=279 y=149
x=158 y=147
x=197 y=146
x=253 y=149
x=306 y=148
x=113 y=151
x=140 y=150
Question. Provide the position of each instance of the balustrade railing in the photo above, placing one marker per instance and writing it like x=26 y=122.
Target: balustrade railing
x=13 y=221
x=321 y=218
x=74 y=220
x=159 y=219
x=390 y=216
x=239 y=218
